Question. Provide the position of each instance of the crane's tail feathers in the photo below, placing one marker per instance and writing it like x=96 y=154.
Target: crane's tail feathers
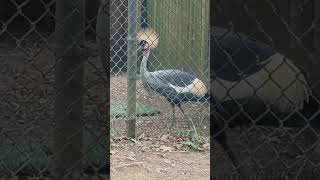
x=286 y=86
x=197 y=88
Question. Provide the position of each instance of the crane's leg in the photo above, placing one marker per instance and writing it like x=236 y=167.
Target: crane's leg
x=188 y=124
x=173 y=121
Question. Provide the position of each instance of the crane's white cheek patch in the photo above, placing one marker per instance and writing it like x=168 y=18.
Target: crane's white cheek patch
x=196 y=88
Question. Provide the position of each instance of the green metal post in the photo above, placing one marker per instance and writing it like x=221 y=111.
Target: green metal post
x=132 y=67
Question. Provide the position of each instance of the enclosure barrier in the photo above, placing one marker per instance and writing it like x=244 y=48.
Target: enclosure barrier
x=35 y=76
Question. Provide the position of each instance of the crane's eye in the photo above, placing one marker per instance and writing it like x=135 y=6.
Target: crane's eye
x=143 y=44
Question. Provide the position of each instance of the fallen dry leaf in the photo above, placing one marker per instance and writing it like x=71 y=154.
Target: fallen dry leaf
x=178 y=146
x=141 y=137
x=113 y=152
x=165 y=148
x=206 y=145
x=165 y=138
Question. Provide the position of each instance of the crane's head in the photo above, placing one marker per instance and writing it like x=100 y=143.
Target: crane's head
x=148 y=39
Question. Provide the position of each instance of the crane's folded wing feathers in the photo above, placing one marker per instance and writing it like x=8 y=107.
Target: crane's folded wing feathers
x=179 y=81
x=174 y=77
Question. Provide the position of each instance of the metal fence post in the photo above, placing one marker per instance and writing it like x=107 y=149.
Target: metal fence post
x=69 y=72
x=132 y=67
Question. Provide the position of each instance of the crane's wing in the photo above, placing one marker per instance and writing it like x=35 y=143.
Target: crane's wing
x=162 y=80
x=235 y=55
x=174 y=77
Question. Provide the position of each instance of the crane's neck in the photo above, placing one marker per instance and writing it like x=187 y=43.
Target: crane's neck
x=143 y=66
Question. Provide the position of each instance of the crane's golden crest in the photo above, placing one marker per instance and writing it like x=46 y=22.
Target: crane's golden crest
x=150 y=36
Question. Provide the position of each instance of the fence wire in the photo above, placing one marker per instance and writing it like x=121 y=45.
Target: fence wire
x=280 y=138
x=181 y=29
x=29 y=91
x=263 y=75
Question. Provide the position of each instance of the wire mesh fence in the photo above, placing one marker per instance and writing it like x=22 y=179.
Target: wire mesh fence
x=264 y=80
x=263 y=71
x=179 y=32
x=53 y=93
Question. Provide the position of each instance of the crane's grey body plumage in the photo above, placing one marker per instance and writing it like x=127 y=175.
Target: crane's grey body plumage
x=162 y=81
x=162 y=78
x=174 y=77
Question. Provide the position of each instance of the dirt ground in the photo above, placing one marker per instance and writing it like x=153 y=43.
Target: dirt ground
x=157 y=155
x=157 y=159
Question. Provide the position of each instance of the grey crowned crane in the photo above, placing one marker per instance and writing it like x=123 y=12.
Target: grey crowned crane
x=255 y=85
x=175 y=85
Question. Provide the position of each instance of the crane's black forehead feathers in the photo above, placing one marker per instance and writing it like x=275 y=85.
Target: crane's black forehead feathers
x=236 y=55
x=142 y=42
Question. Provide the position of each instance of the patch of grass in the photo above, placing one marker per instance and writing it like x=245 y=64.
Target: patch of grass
x=193 y=138
x=120 y=110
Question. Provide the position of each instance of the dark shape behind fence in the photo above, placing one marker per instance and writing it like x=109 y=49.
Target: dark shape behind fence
x=256 y=85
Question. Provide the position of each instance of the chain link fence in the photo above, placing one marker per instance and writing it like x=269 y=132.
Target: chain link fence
x=280 y=141
x=264 y=73
x=54 y=94
x=181 y=31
